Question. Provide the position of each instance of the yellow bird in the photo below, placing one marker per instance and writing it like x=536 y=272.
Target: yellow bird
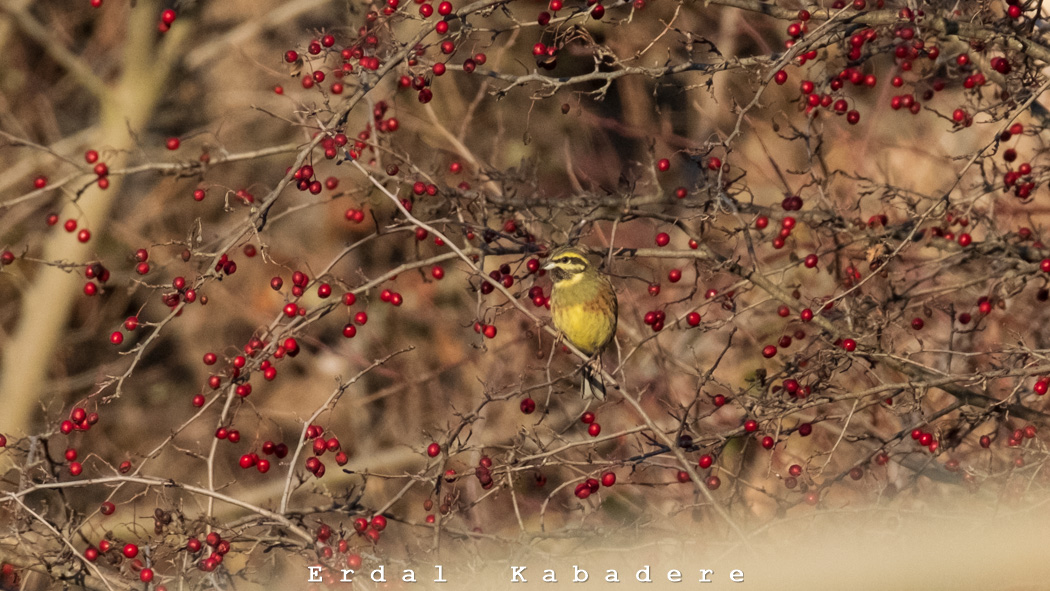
x=584 y=309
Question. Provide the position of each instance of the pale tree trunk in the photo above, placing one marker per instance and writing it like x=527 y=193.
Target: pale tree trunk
x=125 y=111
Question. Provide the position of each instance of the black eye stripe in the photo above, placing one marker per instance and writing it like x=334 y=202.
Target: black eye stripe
x=570 y=259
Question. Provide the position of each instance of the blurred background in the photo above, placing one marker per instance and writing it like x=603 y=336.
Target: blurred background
x=731 y=166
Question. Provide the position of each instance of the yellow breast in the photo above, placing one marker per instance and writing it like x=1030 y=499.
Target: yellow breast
x=588 y=319
x=584 y=329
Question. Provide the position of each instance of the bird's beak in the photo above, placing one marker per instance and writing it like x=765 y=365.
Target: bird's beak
x=550 y=265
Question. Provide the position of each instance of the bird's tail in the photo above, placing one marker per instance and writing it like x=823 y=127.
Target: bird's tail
x=593 y=386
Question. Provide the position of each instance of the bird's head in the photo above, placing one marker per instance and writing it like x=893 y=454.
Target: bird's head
x=566 y=263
